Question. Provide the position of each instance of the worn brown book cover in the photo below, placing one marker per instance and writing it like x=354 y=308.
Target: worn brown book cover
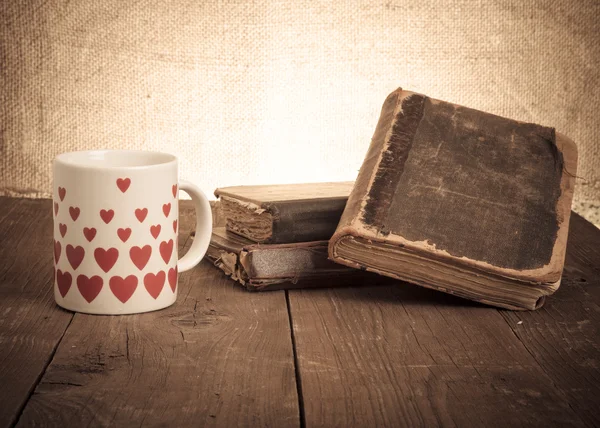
x=461 y=201
x=284 y=213
x=280 y=266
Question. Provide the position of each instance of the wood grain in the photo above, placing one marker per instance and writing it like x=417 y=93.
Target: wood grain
x=218 y=357
x=397 y=355
x=582 y=261
x=406 y=356
x=403 y=355
x=31 y=325
x=563 y=336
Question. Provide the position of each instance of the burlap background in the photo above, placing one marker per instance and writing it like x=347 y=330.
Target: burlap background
x=280 y=91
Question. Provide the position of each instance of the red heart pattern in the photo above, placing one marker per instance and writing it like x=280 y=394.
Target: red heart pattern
x=155 y=230
x=173 y=278
x=154 y=283
x=89 y=233
x=75 y=255
x=74 y=212
x=107 y=215
x=106 y=259
x=141 y=214
x=124 y=234
x=140 y=256
x=57 y=249
x=63 y=281
x=89 y=287
x=123 y=288
x=123 y=184
x=166 y=250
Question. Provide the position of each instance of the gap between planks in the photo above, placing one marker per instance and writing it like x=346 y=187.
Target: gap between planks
x=296 y=365
x=275 y=386
x=41 y=375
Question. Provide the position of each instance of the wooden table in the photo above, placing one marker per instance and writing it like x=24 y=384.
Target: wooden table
x=391 y=355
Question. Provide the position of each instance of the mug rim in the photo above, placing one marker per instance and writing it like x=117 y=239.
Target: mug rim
x=77 y=159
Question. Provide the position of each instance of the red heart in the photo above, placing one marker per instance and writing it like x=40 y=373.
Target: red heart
x=89 y=287
x=175 y=226
x=75 y=255
x=123 y=184
x=154 y=283
x=63 y=280
x=63 y=229
x=74 y=211
x=140 y=256
x=62 y=193
x=123 y=288
x=106 y=259
x=155 y=231
x=107 y=216
x=90 y=233
x=173 y=278
x=56 y=251
x=174 y=190
x=167 y=209
x=141 y=214
x=55 y=208
x=124 y=234
x=166 y=249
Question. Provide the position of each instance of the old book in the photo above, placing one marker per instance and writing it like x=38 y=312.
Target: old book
x=461 y=201
x=284 y=213
x=280 y=266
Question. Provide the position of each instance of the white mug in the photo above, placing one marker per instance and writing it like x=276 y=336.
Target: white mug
x=115 y=231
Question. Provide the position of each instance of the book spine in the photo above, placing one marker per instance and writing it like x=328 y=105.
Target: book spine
x=301 y=266
x=393 y=156
x=228 y=262
x=372 y=159
x=304 y=221
x=374 y=188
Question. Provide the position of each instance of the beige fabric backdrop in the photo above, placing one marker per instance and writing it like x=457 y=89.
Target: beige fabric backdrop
x=280 y=91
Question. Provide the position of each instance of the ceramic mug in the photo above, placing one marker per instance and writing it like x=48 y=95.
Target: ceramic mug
x=115 y=231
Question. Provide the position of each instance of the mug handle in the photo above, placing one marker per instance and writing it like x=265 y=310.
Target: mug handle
x=203 y=226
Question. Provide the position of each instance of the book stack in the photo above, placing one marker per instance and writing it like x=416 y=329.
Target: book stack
x=448 y=197
x=277 y=236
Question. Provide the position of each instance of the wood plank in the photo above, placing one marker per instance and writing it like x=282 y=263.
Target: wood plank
x=564 y=335
x=563 y=338
x=31 y=325
x=218 y=357
x=401 y=355
x=582 y=261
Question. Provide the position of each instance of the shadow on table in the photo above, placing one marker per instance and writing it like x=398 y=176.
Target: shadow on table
x=398 y=292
